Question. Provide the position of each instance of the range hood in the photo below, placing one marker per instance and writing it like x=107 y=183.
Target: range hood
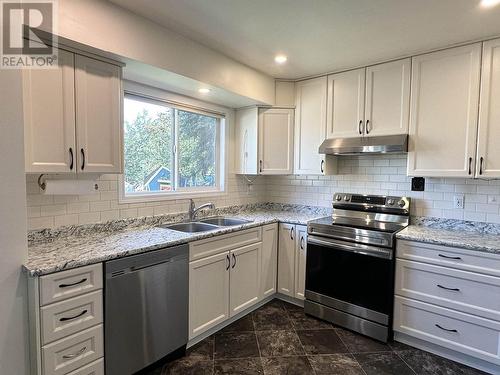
x=365 y=145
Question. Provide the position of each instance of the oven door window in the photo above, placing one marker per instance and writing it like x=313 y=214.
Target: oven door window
x=362 y=280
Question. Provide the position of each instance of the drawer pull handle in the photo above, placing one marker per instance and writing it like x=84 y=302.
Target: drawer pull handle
x=444 y=287
x=73 y=284
x=234 y=260
x=446 y=329
x=74 y=355
x=448 y=257
x=73 y=317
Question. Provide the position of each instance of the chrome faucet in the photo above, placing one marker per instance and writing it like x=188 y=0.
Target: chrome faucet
x=193 y=210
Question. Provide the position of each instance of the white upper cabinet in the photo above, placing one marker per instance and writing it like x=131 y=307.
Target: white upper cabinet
x=49 y=117
x=369 y=101
x=264 y=141
x=346 y=102
x=246 y=137
x=98 y=115
x=444 y=112
x=488 y=151
x=387 y=99
x=310 y=125
x=73 y=117
x=275 y=141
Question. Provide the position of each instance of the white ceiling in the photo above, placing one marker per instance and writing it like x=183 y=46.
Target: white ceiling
x=321 y=35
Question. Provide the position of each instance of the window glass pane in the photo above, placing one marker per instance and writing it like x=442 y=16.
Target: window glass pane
x=197 y=142
x=148 y=144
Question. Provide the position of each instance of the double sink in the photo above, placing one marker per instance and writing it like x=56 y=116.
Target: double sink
x=205 y=225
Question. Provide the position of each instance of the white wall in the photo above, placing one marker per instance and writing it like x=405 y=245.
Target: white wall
x=134 y=37
x=13 y=247
x=386 y=175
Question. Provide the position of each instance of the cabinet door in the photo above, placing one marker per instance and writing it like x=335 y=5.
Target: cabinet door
x=245 y=277
x=488 y=152
x=286 y=260
x=98 y=116
x=300 y=261
x=310 y=125
x=275 y=141
x=346 y=104
x=208 y=293
x=387 y=105
x=443 y=112
x=269 y=263
x=49 y=117
x=246 y=132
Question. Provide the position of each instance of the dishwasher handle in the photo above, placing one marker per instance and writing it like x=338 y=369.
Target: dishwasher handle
x=138 y=262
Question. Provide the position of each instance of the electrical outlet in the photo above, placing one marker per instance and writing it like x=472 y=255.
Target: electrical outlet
x=458 y=201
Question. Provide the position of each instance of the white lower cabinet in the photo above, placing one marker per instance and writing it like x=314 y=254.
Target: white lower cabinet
x=286 y=260
x=269 y=259
x=292 y=260
x=449 y=297
x=94 y=368
x=232 y=279
x=244 y=278
x=66 y=316
x=208 y=292
x=451 y=329
x=300 y=261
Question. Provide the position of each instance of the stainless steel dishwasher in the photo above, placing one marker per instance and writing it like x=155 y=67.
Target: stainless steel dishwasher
x=146 y=309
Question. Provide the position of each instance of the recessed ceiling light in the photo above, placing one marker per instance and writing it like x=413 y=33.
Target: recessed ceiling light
x=203 y=90
x=489 y=3
x=280 y=59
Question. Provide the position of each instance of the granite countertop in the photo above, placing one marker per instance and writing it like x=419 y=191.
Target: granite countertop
x=57 y=253
x=455 y=236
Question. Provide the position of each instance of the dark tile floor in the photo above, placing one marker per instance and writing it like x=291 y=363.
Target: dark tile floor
x=279 y=338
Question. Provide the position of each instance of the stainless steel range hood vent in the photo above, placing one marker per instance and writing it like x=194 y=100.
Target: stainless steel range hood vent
x=365 y=145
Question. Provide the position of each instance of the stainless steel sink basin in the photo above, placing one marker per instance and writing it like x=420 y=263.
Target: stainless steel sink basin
x=190 y=227
x=222 y=221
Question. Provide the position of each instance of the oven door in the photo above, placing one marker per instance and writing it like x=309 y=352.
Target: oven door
x=355 y=278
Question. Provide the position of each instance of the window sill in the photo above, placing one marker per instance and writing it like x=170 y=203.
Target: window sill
x=148 y=198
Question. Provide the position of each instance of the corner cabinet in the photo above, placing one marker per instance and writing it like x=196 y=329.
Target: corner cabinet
x=73 y=116
x=372 y=101
x=310 y=125
x=444 y=112
x=264 y=141
x=292 y=260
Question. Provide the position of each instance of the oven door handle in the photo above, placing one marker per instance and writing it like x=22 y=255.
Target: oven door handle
x=352 y=247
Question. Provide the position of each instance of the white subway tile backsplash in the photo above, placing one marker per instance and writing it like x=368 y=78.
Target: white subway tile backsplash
x=379 y=174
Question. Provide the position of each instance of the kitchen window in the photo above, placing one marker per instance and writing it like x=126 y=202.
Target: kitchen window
x=170 y=150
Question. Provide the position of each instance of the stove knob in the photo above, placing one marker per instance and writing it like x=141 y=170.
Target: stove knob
x=346 y=198
x=401 y=203
x=338 y=197
x=390 y=202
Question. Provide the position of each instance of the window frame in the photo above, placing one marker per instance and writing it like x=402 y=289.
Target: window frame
x=178 y=102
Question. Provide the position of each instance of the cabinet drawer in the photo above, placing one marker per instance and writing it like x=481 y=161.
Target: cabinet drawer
x=214 y=245
x=464 y=333
x=70 y=316
x=465 y=291
x=463 y=259
x=94 y=368
x=70 y=283
x=72 y=352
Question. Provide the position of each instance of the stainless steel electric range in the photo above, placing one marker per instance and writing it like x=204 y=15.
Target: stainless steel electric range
x=350 y=262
